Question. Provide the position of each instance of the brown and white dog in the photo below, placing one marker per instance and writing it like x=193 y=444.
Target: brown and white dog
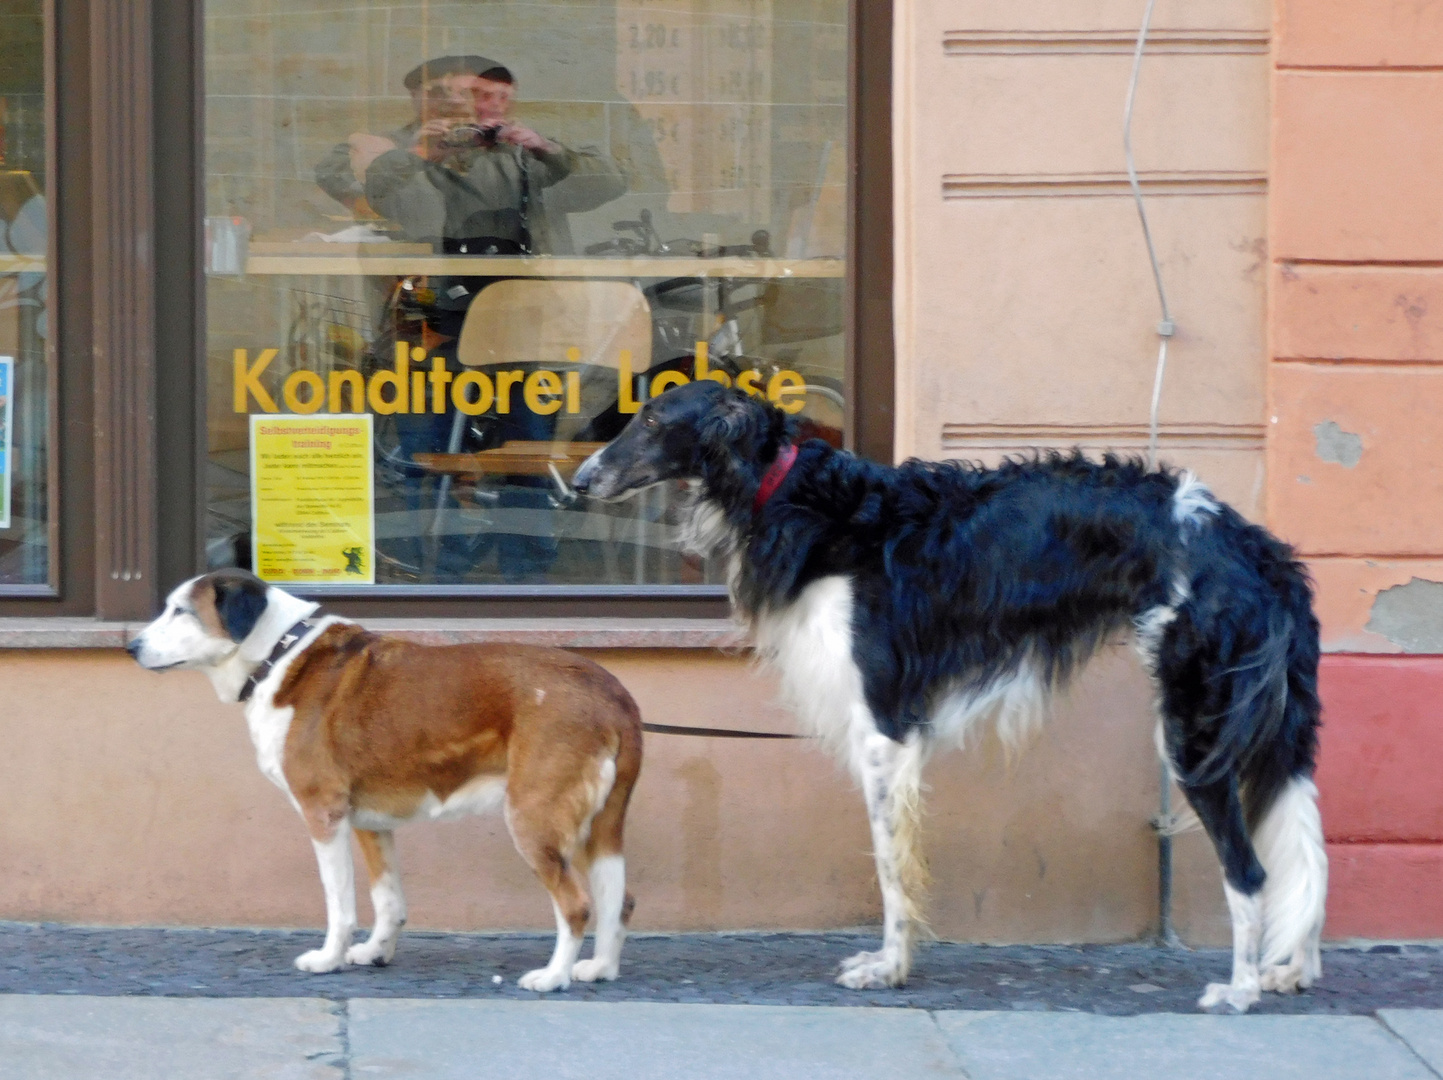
x=365 y=733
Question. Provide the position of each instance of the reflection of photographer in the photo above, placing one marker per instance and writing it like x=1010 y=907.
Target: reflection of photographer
x=462 y=175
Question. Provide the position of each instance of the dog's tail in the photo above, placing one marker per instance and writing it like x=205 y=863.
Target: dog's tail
x=1258 y=686
x=1244 y=647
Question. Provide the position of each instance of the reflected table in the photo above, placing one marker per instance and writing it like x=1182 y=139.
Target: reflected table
x=514 y=458
x=414 y=260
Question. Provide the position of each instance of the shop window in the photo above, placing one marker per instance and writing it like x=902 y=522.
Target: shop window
x=451 y=247
x=25 y=369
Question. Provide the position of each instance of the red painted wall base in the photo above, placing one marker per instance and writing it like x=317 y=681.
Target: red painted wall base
x=1380 y=775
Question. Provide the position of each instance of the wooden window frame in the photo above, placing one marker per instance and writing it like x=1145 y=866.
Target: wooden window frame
x=70 y=474
x=128 y=299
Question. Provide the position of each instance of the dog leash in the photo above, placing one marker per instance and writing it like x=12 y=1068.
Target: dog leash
x=717 y=733
x=289 y=638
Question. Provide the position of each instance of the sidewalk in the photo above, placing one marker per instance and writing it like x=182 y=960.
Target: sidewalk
x=150 y=1004
x=696 y=969
x=56 y=1037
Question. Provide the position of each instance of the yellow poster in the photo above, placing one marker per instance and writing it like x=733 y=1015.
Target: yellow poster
x=312 y=499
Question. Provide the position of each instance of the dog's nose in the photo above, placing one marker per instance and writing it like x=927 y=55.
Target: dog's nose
x=133 y=648
x=581 y=480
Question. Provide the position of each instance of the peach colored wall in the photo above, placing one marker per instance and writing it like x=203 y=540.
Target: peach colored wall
x=1356 y=327
x=134 y=798
x=1025 y=305
x=1355 y=458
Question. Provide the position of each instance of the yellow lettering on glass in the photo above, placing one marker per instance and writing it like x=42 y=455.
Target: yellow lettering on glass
x=439 y=378
x=505 y=380
x=485 y=395
x=625 y=397
x=399 y=378
x=357 y=385
x=542 y=392
x=248 y=381
x=787 y=384
x=314 y=400
x=703 y=372
x=666 y=380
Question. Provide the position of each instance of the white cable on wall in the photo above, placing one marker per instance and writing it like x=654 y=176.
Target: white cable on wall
x=1165 y=329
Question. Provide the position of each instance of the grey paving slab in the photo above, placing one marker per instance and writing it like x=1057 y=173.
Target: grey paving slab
x=118 y=1038
x=1078 y=1046
x=1422 y=1029
x=442 y=1040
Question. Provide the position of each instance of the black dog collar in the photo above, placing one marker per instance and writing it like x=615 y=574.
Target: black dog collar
x=289 y=638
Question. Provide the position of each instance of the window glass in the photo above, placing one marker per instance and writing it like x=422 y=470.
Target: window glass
x=24 y=366
x=451 y=247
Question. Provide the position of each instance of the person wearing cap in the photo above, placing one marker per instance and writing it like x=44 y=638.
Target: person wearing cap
x=462 y=175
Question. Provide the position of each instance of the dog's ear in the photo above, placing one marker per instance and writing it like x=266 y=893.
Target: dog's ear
x=729 y=419
x=240 y=600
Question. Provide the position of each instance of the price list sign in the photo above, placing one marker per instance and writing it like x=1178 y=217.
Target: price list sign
x=700 y=75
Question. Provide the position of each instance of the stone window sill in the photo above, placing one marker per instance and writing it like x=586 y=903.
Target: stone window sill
x=73 y=633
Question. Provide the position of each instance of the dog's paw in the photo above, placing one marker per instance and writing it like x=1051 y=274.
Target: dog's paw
x=872 y=970
x=544 y=980
x=1287 y=978
x=594 y=970
x=371 y=953
x=319 y=961
x=1219 y=996
x=1284 y=978
x=863 y=959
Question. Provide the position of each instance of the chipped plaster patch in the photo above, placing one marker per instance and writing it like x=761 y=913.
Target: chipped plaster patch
x=1410 y=616
x=1336 y=445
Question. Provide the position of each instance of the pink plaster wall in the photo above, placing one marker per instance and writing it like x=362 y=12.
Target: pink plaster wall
x=1355 y=465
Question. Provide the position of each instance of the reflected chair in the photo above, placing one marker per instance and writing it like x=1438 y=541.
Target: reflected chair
x=533 y=324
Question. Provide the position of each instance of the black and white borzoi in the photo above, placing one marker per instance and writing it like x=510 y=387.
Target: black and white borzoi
x=905 y=606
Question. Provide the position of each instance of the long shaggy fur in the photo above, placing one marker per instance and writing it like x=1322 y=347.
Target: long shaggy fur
x=910 y=855
x=922 y=599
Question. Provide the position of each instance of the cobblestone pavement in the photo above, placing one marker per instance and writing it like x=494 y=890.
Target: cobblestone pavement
x=754 y=968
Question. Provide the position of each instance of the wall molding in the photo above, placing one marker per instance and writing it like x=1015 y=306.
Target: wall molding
x=1160 y=41
x=1101 y=184
x=969 y=438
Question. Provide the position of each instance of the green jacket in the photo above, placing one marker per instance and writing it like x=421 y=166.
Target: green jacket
x=478 y=193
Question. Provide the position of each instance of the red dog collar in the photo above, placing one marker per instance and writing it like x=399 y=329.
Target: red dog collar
x=773 y=477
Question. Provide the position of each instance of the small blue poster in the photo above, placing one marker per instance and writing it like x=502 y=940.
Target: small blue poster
x=7 y=408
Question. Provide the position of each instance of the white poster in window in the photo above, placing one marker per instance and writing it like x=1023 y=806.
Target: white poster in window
x=7 y=409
